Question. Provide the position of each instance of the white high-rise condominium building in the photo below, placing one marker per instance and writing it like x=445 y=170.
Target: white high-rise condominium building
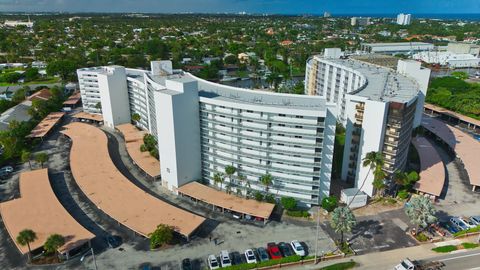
x=378 y=106
x=202 y=127
x=404 y=19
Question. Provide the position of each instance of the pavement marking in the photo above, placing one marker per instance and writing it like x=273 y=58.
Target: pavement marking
x=460 y=257
x=400 y=224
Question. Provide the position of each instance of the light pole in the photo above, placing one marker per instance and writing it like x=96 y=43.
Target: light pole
x=316 y=237
x=93 y=255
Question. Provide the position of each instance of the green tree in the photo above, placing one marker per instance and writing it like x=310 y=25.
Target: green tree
x=266 y=180
x=343 y=220
x=31 y=74
x=372 y=160
x=24 y=238
x=218 y=179
x=163 y=234
x=288 y=203
x=421 y=211
x=329 y=203
x=65 y=68
x=41 y=158
x=26 y=157
x=230 y=171
x=53 y=243
x=136 y=117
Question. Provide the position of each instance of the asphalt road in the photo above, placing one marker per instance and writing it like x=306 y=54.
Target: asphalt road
x=463 y=260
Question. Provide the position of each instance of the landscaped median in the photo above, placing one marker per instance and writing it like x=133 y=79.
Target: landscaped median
x=290 y=261
x=450 y=248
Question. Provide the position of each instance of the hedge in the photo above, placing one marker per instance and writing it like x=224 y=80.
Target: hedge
x=471 y=230
x=470 y=245
x=247 y=266
x=340 y=266
x=298 y=213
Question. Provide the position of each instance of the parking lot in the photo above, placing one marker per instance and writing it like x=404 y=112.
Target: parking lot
x=384 y=231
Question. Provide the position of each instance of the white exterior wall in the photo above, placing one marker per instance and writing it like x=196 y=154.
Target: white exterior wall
x=178 y=133
x=413 y=69
x=114 y=96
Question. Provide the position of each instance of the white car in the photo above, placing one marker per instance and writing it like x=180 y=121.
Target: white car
x=297 y=248
x=225 y=259
x=469 y=222
x=212 y=262
x=250 y=256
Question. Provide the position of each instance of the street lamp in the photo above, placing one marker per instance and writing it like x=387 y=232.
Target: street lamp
x=93 y=254
x=316 y=237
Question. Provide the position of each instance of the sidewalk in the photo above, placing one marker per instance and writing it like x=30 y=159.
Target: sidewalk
x=388 y=259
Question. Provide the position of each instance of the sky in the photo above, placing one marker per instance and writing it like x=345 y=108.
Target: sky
x=249 y=6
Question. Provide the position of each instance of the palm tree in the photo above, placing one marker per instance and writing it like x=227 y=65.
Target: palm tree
x=53 y=243
x=218 y=178
x=421 y=211
x=41 y=158
x=343 y=220
x=26 y=237
x=26 y=157
x=400 y=178
x=266 y=180
x=372 y=160
x=242 y=181
x=379 y=180
x=230 y=171
x=136 y=117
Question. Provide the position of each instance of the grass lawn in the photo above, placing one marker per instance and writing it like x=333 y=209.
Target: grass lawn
x=340 y=266
x=470 y=245
x=445 y=249
x=49 y=80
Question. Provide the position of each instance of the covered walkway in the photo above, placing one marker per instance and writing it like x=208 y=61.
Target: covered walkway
x=432 y=171
x=38 y=209
x=96 y=118
x=44 y=127
x=244 y=208
x=466 y=148
x=134 y=139
x=453 y=117
x=113 y=193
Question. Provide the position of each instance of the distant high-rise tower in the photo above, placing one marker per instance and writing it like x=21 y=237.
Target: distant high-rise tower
x=404 y=19
x=327 y=14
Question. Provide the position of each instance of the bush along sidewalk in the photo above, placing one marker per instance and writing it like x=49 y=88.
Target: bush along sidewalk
x=450 y=248
x=286 y=260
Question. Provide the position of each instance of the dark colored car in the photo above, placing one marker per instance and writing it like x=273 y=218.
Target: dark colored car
x=262 y=254
x=145 y=266
x=236 y=258
x=114 y=241
x=452 y=229
x=285 y=249
x=274 y=251
x=186 y=264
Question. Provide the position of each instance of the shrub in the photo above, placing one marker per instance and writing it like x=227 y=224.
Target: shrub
x=329 y=203
x=270 y=198
x=421 y=237
x=288 y=203
x=470 y=245
x=258 y=196
x=143 y=148
x=403 y=194
x=298 y=213
x=445 y=249
x=247 y=266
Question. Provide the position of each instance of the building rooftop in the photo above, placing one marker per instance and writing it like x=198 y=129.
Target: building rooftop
x=38 y=209
x=406 y=44
x=432 y=172
x=227 y=201
x=46 y=125
x=133 y=140
x=113 y=193
x=382 y=84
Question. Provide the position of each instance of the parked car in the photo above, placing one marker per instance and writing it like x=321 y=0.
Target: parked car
x=262 y=254
x=274 y=251
x=7 y=169
x=467 y=221
x=225 y=259
x=449 y=227
x=145 y=266
x=236 y=258
x=285 y=249
x=186 y=264
x=438 y=229
x=113 y=241
x=250 y=256
x=212 y=262
x=460 y=224
x=297 y=248
x=475 y=219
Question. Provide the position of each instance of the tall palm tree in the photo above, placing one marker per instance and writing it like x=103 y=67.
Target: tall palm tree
x=230 y=171
x=343 y=220
x=26 y=237
x=266 y=180
x=243 y=182
x=218 y=179
x=372 y=160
